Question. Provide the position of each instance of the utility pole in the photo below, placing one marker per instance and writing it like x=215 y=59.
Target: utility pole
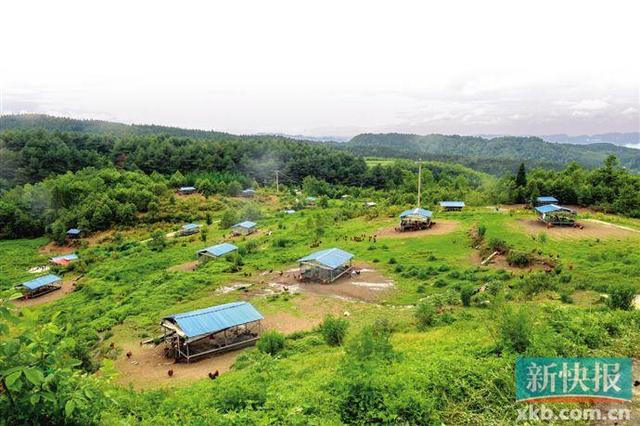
x=277 y=182
x=419 y=181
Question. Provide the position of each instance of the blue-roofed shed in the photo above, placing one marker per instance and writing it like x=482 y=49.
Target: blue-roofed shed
x=553 y=214
x=216 y=251
x=210 y=330
x=74 y=233
x=415 y=220
x=189 y=229
x=325 y=265
x=541 y=201
x=40 y=285
x=186 y=190
x=452 y=205
x=249 y=192
x=244 y=228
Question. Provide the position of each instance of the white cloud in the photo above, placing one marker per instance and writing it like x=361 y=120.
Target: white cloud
x=327 y=66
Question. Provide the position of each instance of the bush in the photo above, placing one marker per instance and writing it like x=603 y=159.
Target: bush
x=333 y=330
x=271 y=342
x=482 y=230
x=496 y=244
x=425 y=315
x=519 y=258
x=466 y=294
x=515 y=329
x=392 y=261
x=621 y=297
x=565 y=297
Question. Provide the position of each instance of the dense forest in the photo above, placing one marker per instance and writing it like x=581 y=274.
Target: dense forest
x=496 y=156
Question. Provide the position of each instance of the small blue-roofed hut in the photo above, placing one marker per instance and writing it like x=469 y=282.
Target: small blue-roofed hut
x=216 y=251
x=244 y=228
x=186 y=190
x=65 y=259
x=74 y=233
x=39 y=286
x=552 y=214
x=189 y=229
x=325 y=266
x=211 y=330
x=415 y=220
x=543 y=201
x=310 y=201
x=249 y=192
x=451 y=206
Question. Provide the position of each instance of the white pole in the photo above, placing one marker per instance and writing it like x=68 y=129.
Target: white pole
x=277 y=183
x=419 y=182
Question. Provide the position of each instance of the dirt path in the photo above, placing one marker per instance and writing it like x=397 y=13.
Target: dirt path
x=185 y=267
x=440 y=227
x=591 y=229
x=67 y=287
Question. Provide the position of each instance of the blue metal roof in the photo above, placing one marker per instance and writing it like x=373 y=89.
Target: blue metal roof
x=187 y=188
x=220 y=249
x=67 y=257
x=331 y=258
x=190 y=226
x=215 y=318
x=41 y=282
x=547 y=200
x=548 y=208
x=416 y=212
x=451 y=203
x=248 y=191
x=73 y=231
x=311 y=198
x=247 y=224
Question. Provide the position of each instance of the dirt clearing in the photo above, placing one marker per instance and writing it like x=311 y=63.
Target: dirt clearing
x=440 y=227
x=185 y=267
x=591 y=229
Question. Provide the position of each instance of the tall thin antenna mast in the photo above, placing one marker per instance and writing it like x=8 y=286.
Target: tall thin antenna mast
x=419 y=181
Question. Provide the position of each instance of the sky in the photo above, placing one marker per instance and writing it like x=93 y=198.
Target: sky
x=328 y=68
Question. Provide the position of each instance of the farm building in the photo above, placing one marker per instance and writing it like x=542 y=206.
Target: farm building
x=415 y=219
x=211 y=330
x=288 y=211
x=244 y=228
x=189 y=229
x=325 y=265
x=39 y=286
x=310 y=200
x=64 y=259
x=215 y=251
x=552 y=214
x=186 y=190
x=74 y=233
x=543 y=201
x=370 y=204
x=249 y=192
x=450 y=206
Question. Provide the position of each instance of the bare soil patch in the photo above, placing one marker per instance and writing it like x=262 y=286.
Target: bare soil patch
x=500 y=262
x=148 y=367
x=368 y=285
x=185 y=267
x=67 y=287
x=53 y=249
x=591 y=229
x=440 y=227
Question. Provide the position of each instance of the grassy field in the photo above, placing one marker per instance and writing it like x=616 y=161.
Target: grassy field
x=453 y=367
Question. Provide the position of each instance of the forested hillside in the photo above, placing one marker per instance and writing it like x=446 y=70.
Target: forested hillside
x=496 y=156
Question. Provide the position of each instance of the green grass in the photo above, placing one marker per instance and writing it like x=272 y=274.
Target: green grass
x=129 y=287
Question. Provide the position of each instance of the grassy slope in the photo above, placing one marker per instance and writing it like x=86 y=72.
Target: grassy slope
x=130 y=289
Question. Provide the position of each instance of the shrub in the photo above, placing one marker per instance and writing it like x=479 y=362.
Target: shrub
x=496 y=244
x=271 y=342
x=537 y=283
x=425 y=315
x=333 y=330
x=542 y=238
x=392 y=261
x=466 y=294
x=565 y=297
x=519 y=258
x=482 y=230
x=440 y=283
x=515 y=329
x=621 y=297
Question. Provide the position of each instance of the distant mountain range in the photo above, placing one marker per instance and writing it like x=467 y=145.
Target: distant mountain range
x=631 y=140
x=495 y=155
